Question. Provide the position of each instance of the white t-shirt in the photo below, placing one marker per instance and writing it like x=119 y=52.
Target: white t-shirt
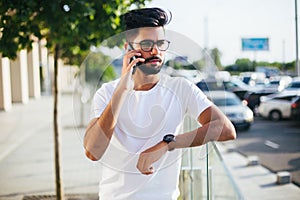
x=145 y=117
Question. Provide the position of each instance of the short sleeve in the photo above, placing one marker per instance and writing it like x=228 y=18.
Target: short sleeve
x=102 y=98
x=99 y=103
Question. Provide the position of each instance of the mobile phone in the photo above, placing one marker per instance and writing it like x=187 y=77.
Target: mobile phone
x=134 y=67
x=133 y=58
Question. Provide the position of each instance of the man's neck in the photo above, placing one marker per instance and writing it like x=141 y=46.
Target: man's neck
x=144 y=82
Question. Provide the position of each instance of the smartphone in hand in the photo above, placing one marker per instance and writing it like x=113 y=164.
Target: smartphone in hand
x=133 y=58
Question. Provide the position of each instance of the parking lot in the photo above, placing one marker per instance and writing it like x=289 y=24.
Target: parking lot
x=275 y=143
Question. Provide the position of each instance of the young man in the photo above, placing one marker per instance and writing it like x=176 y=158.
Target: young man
x=136 y=130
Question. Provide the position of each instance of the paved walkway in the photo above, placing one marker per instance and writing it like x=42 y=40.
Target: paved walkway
x=256 y=182
x=27 y=157
x=27 y=151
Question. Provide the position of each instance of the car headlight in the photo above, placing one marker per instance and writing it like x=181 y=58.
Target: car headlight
x=248 y=115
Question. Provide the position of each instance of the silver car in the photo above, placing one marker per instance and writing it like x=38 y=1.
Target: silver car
x=236 y=110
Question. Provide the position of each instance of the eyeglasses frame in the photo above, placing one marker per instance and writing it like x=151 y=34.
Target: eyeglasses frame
x=154 y=43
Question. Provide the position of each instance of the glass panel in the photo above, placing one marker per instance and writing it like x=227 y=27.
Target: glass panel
x=204 y=175
x=221 y=183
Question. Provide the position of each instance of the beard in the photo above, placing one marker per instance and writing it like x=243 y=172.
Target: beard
x=150 y=69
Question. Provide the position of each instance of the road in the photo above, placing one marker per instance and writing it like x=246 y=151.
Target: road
x=277 y=144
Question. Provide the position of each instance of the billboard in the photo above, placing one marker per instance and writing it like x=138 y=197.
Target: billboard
x=255 y=44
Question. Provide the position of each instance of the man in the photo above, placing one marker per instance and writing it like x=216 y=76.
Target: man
x=136 y=130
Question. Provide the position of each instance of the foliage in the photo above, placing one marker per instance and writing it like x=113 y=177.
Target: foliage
x=98 y=69
x=179 y=64
x=74 y=25
x=290 y=65
x=216 y=56
x=241 y=65
x=245 y=64
x=109 y=74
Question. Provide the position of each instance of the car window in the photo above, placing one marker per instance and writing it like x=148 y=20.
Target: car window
x=227 y=102
x=294 y=85
x=254 y=96
x=296 y=99
x=274 y=82
x=229 y=85
x=209 y=86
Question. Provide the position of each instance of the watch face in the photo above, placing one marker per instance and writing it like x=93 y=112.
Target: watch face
x=168 y=138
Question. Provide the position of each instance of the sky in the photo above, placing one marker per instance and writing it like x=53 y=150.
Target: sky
x=223 y=23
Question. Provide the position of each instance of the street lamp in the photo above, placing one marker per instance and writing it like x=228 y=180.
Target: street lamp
x=296 y=23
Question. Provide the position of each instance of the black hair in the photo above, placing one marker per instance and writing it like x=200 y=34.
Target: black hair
x=145 y=17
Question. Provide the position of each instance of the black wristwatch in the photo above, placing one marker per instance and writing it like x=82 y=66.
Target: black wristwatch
x=169 y=138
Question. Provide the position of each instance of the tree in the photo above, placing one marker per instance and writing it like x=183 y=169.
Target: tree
x=216 y=56
x=241 y=65
x=96 y=65
x=70 y=28
x=244 y=64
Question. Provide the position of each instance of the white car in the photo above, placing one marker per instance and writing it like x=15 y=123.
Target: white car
x=276 y=106
x=237 y=111
x=294 y=85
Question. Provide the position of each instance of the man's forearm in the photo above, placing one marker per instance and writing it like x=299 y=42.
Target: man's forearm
x=219 y=129
x=212 y=131
x=100 y=130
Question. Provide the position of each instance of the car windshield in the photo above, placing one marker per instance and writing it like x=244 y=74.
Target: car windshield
x=235 y=83
x=227 y=102
x=294 y=85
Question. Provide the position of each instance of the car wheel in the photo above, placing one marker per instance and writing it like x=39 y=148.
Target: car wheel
x=247 y=127
x=275 y=115
x=244 y=129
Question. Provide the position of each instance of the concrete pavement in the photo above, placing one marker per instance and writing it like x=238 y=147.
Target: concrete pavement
x=27 y=157
x=256 y=182
x=27 y=152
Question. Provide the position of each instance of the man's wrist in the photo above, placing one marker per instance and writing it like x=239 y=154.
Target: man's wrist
x=170 y=140
x=171 y=146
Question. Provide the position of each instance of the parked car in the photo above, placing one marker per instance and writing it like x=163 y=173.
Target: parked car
x=253 y=78
x=276 y=106
x=294 y=85
x=253 y=98
x=238 y=113
x=238 y=87
x=279 y=83
x=233 y=85
x=295 y=108
x=210 y=85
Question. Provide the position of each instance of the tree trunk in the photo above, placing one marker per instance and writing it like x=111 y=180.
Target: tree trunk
x=57 y=147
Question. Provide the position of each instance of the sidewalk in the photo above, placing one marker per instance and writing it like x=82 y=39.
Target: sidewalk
x=256 y=182
x=27 y=157
x=27 y=152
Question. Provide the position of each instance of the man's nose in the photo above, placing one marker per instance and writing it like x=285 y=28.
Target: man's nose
x=155 y=50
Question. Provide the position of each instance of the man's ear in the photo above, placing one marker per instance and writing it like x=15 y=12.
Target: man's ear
x=126 y=45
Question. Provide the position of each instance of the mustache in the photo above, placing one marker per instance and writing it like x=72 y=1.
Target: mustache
x=152 y=58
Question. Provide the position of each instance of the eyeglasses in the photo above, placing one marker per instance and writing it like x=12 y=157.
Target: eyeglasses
x=147 y=45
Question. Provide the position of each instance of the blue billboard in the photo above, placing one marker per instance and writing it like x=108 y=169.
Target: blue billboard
x=255 y=44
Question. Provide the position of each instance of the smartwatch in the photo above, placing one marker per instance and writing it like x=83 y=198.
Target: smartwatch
x=169 y=138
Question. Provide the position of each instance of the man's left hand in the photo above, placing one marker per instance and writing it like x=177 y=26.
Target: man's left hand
x=150 y=156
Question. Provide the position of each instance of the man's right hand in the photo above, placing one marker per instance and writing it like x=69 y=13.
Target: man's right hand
x=126 y=82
